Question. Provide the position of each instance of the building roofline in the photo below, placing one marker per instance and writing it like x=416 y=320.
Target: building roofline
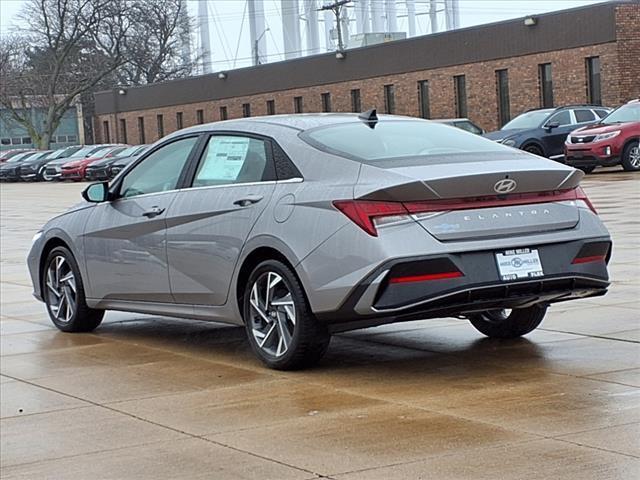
x=564 y=29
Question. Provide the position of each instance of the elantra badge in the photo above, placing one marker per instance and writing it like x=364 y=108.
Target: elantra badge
x=506 y=185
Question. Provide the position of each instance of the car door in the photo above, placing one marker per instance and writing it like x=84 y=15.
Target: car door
x=208 y=223
x=125 y=238
x=554 y=139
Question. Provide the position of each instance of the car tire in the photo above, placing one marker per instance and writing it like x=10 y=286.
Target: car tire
x=631 y=157
x=505 y=324
x=63 y=293
x=587 y=169
x=533 y=148
x=282 y=330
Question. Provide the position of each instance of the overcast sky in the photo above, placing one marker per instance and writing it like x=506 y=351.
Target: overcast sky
x=229 y=29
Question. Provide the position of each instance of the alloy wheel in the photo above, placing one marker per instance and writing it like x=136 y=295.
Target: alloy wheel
x=272 y=314
x=61 y=289
x=634 y=156
x=498 y=316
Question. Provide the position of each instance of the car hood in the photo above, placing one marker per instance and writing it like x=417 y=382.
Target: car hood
x=102 y=163
x=502 y=134
x=598 y=128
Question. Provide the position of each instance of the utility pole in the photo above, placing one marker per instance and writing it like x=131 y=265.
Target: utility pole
x=336 y=8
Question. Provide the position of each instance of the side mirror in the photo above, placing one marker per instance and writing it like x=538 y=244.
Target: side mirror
x=550 y=126
x=96 y=192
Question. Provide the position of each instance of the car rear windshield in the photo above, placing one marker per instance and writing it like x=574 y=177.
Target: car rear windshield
x=528 y=120
x=626 y=113
x=397 y=139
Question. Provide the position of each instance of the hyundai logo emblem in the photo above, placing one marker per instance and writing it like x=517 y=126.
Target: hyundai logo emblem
x=506 y=185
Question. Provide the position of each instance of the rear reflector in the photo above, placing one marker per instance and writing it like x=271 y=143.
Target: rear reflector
x=426 y=277
x=593 y=258
x=363 y=212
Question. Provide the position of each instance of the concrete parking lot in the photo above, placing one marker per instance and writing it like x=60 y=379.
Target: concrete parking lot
x=149 y=397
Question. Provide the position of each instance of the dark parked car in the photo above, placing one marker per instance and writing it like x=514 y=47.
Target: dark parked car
x=101 y=169
x=9 y=169
x=612 y=141
x=462 y=123
x=543 y=131
x=33 y=168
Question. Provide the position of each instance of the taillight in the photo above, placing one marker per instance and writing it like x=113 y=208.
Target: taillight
x=364 y=212
x=369 y=213
x=582 y=197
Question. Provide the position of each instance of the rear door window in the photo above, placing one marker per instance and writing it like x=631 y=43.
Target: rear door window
x=584 y=116
x=230 y=159
x=561 y=118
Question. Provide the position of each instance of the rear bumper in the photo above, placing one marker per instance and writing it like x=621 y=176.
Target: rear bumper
x=376 y=301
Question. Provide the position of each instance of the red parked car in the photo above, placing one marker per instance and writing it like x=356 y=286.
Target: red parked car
x=75 y=169
x=612 y=141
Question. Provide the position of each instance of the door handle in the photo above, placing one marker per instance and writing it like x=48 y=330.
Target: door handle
x=249 y=200
x=153 y=212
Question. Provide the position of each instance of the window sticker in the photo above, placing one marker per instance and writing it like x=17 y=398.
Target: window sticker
x=225 y=156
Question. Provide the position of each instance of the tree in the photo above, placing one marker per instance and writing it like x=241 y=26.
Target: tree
x=158 y=43
x=71 y=47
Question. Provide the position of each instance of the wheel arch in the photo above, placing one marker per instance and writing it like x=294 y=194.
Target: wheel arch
x=250 y=261
x=536 y=142
x=628 y=142
x=49 y=245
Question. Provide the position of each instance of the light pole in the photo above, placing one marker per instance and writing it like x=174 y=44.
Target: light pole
x=336 y=8
x=256 y=51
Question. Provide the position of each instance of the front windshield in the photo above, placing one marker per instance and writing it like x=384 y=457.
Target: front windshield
x=20 y=157
x=84 y=151
x=127 y=152
x=394 y=139
x=626 y=113
x=531 y=119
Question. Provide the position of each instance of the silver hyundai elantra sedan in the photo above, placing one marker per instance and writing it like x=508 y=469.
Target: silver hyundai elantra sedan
x=300 y=226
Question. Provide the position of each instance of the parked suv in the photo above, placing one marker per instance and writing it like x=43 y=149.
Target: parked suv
x=543 y=131
x=462 y=123
x=612 y=141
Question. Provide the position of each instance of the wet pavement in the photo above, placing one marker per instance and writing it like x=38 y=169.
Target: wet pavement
x=150 y=397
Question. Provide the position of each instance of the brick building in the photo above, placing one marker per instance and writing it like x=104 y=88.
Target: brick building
x=488 y=73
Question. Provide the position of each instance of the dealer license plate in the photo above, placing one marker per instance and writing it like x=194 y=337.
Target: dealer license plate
x=519 y=263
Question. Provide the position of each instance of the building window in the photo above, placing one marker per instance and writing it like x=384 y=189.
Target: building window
x=423 y=98
x=199 y=117
x=6 y=141
x=26 y=140
x=141 y=138
x=546 y=85
x=61 y=139
x=356 y=104
x=246 y=109
x=389 y=99
x=105 y=132
x=160 y=121
x=594 y=95
x=502 y=87
x=271 y=107
x=71 y=139
x=16 y=141
x=179 y=121
x=223 y=113
x=326 y=102
x=460 y=91
x=123 y=130
x=297 y=104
